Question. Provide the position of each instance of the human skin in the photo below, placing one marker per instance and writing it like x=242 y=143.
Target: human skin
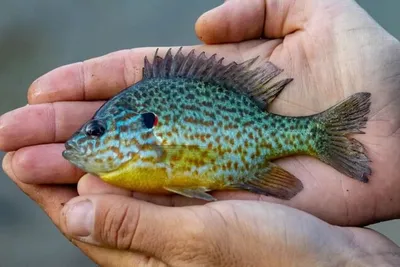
x=331 y=48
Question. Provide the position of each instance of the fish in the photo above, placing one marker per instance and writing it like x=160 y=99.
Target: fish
x=193 y=125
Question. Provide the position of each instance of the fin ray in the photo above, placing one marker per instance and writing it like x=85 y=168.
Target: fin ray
x=199 y=193
x=272 y=181
x=346 y=154
x=239 y=77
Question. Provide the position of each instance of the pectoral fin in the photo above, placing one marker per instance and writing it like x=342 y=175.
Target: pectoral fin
x=272 y=181
x=199 y=193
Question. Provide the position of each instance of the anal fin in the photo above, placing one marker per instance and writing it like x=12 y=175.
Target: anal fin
x=199 y=193
x=272 y=181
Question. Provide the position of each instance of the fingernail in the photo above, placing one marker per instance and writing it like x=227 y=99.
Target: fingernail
x=79 y=218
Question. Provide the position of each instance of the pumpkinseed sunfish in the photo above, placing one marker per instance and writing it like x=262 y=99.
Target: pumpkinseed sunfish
x=193 y=125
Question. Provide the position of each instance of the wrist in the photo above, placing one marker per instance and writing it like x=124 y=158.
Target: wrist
x=369 y=248
x=387 y=259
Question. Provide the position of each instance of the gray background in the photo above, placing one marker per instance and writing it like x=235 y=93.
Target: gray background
x=39 y=35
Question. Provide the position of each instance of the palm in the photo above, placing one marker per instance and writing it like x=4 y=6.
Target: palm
x=329 y=63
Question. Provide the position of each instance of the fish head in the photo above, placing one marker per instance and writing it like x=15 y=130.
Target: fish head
x=102 y=145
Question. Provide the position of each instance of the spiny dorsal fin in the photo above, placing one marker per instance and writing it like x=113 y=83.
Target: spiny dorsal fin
x=239 y=77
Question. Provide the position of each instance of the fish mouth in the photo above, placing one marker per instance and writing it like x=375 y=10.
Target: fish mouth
x=72 y=151
x=69 y=154
x=69 y=145
x=74 y=157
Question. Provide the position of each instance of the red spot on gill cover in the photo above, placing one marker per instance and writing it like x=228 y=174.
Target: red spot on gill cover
x=155 y=120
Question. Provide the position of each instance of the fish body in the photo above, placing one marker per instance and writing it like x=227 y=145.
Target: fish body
x=193 y=125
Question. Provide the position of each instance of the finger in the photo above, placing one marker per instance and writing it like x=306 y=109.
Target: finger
x=52 y=199
x=95 y=79
x=79 y=81
x=116 y=258
x=124 y=223
x=44 y=123
x=102 y=77
x=220 y=25
x=90 y=184
x=258 y=18
x=41 y=164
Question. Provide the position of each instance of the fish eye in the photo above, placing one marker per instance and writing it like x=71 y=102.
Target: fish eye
x=95 y=128
x=149 y=119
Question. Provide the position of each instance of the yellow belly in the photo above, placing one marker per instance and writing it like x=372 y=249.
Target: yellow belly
x=173 y=169
x=154 y=179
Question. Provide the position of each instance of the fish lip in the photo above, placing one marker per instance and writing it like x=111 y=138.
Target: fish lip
x=69 y=154
x=72 y=147
x=72 y=152
x=73 y=158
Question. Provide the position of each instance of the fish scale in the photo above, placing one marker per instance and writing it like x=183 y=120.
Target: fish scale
x=194 y=125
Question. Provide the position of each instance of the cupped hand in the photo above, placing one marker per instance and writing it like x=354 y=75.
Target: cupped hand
x=225 y=233
x=331 y=48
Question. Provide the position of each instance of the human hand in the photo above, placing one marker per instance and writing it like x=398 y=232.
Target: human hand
x=125 y=231
x=324 y=49
x=326 y=62
x=213 y=234
x=332 y=49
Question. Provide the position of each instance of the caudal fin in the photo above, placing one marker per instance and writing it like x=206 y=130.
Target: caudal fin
x=342 y=152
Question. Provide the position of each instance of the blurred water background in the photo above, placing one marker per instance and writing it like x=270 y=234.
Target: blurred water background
x=39 y=35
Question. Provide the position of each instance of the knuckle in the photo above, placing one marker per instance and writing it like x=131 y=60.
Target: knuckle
x=118 y=226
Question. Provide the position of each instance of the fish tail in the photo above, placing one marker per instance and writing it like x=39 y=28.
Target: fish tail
x=336 y=148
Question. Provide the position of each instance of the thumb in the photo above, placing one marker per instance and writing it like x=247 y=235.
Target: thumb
x=237 y=20
x=125 y=223
x=233 y=21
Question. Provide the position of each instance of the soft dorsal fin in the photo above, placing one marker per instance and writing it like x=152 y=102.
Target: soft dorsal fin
x=239 y=77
